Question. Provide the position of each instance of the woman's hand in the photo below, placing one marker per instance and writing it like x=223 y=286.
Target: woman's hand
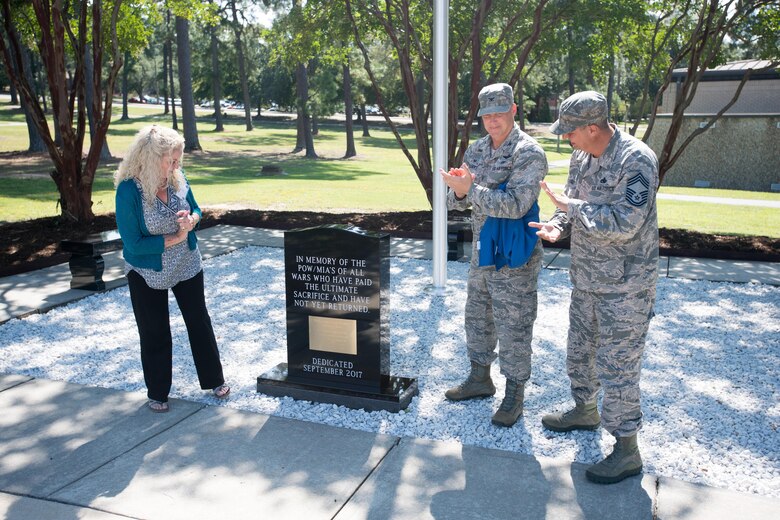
x=187 y=221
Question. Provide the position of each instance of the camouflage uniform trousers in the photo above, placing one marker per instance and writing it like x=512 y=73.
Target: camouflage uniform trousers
x=501 y=308
x=606 y=340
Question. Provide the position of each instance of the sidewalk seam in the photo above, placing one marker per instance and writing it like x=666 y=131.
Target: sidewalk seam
x=19 y=383
x=65 y=503
x=360 y=485
x=131 y=448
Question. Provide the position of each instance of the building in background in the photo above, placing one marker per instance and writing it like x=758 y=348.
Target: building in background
x=742 y=150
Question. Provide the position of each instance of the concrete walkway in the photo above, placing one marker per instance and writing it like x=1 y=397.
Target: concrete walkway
x=75 y=452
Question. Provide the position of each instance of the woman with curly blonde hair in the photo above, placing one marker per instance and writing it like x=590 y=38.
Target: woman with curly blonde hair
x=157 y=215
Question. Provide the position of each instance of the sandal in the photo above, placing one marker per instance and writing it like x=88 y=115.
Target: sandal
x=222 y=391
x=157 y=406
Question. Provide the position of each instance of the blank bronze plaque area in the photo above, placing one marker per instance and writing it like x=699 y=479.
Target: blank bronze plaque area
x=333 y=335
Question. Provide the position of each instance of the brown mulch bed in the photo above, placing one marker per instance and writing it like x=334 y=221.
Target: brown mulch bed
x=33 y=244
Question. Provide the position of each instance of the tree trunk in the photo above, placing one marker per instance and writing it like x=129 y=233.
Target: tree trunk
x=347 y=84
x=14 y=96
x=185 y=85
x=216 y=81
x=170 y=76
x=101 y=110
x=166 y=52
x=125 y=72
x=309 y=136
x=39 y=85
x=302 y=87
x=419 y=87
x=300 y=140
x=33 y=133
x=364 y=120
x=570 y=62
x=520 y=95
x=242 y=68
x=105 y=153
x=610 y=84
x=518 y=77
x=424 y=165
x=75 y=198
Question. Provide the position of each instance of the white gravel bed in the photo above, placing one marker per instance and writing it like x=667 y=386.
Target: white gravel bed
x=710 y=386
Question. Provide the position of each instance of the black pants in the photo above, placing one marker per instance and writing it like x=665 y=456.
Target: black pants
x=151 y=314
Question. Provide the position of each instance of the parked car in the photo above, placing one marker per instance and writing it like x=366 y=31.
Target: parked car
x=177 y=101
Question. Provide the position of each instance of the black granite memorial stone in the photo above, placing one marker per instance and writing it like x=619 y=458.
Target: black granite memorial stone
x=338 y=340
x=336 y=300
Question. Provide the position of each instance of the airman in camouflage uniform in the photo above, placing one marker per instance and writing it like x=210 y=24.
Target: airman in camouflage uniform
x=503 y=171
x=608 y=208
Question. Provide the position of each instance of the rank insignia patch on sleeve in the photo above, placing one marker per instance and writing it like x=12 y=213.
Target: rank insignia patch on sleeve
x=637 y=190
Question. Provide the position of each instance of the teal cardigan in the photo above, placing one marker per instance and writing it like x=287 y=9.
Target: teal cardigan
x=141 y=248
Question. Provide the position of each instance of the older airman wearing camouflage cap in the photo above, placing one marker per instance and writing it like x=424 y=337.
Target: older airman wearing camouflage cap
x=608 y=209
x=500 y=177
x=495 y=98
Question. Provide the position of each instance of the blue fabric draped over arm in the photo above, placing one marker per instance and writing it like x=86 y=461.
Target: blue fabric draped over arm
x=508 y=241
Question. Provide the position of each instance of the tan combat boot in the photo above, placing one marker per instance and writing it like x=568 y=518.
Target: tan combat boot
x=623 y=462
x=478 y=384
x=584 y=416
x=512 y=406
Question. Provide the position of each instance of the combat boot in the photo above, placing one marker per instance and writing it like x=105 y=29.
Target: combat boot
x=512 y=406
x=584 y=416
x=478 y=384
x=623 y=462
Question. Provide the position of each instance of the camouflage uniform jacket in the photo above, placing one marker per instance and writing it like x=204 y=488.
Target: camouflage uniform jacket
x=520 y=162
x=612 y=217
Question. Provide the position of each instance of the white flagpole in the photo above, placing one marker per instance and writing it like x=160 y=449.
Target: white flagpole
x=439 y=116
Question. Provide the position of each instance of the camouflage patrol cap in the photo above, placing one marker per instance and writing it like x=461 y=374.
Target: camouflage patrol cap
x=495 y=98
x=580 y=109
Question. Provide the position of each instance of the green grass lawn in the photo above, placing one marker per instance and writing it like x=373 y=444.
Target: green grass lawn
x=380 y=178
x=555 y=149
